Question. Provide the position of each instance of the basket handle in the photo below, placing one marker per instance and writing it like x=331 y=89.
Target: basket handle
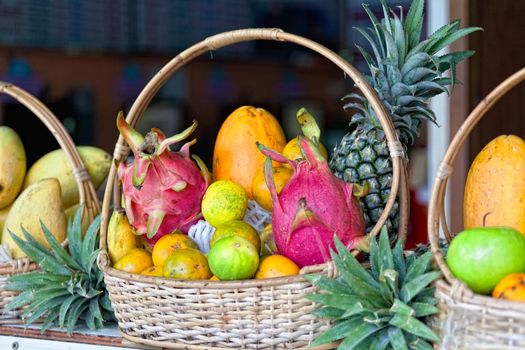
x=87 y=193
x=399 y=180
x=436 y=212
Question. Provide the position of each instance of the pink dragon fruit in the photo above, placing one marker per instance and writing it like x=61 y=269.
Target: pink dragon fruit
x=162 y=189
x=312 y=208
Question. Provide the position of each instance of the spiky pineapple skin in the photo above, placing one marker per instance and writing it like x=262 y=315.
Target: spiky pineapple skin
x=364 y=157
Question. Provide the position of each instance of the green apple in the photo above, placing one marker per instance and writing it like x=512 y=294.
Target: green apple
x=482 y=256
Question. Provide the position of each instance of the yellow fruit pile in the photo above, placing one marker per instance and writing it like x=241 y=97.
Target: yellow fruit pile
x=41 y=194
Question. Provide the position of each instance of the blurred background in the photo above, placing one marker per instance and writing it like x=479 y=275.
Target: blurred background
x=87 y=60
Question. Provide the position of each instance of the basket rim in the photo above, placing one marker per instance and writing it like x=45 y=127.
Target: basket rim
x=399 y=181
x=87 y=194
x=460 y=293
x=436 y=214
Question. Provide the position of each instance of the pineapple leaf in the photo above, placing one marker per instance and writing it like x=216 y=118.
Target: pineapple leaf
x=423 y=309
x=338 y=301
x=400 y=40
x=357 y=309
x=372 y=43
x=337 y=332
x=374 y=258
x=397 y=339
x=64 y=308
x=386 y=17
x=385 y=253
x=106 y=303
x=74 y=236
x=44 y=258
x=59 y=252
x=418 y=74
x=414 y=21
x=379 y=33
x=352 y=264
x=89 y=242
x=412 y=288
x=326 y=283
x=400 y=307
x=441 y=33
x=328 y=312
x=399 y=260
x=94 y=311
x=414 y=326
x=362 y=289
x=419 y=266
x=49 y=321
x=90 y=320
x=43 y=308
x=74 y=313
x=450 y=38
x=381 y=341
x=20 y=300
x=420 y=344
x=359 y=335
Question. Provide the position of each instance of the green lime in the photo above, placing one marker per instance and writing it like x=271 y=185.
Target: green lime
x=482 y=256
x=224 y=201
x=233 y=258
x=237 y=228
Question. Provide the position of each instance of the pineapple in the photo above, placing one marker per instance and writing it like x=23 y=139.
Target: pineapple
x=379 y=307
x=406 y=73
x=69 y=287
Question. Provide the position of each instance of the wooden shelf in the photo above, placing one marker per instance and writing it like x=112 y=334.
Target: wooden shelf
x=20 y=337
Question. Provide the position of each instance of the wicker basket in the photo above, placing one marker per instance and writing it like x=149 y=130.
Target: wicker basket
x=467 y=320
x=87 y=194
x=267 y=313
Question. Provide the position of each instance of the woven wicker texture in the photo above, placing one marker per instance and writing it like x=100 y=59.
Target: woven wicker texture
x=271 y=313
x=87 y=194
x=467 y=320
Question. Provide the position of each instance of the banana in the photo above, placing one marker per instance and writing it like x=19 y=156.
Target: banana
x=12 y=165
x=55 y=164
x=121 y=239
x=39 y=203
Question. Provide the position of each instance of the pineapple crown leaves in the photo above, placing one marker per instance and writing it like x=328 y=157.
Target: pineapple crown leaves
x=69 y=287
x=380 y=306
x=404 y=71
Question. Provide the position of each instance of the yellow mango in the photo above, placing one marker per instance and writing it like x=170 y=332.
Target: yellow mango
x=3 y=216
x=55 y=164
x=495 y=186
x=41 y=201
x=12 y=165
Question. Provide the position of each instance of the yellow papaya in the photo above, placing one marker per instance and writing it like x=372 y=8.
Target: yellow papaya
x=236 y=156
x=495 y=187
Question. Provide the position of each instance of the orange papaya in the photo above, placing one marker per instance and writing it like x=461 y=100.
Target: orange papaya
x=236 y=156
